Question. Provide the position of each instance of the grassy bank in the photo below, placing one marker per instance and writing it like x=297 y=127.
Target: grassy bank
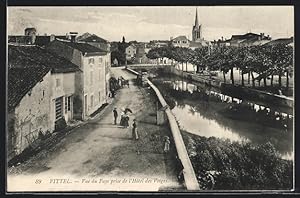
x=243 y=166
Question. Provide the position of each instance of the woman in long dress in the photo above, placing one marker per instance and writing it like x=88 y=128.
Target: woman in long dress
x=126 y=120
x=122 y=123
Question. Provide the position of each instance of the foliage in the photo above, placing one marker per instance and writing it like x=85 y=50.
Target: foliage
x=118 y=52
x=242 y=165
x=264 y=60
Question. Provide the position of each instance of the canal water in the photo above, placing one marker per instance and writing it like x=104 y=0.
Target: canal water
x=200 y=111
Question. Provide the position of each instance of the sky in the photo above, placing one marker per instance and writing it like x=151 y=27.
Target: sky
x=153 y=22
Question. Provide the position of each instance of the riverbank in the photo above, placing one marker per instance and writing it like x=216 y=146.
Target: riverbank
x=245 y=152
x=242 y=166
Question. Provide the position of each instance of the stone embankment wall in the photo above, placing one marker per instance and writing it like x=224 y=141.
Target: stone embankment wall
x=189 y=173
x=257 y=94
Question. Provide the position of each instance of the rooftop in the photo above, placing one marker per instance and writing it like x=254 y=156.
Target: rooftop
x=93 y=38
x=284 y=41
x=244 y=36
x=22 y=80
x=180 y=38
x=83 y=47
x=40 y=56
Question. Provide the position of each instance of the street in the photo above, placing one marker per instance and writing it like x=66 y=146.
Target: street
x=102 y=149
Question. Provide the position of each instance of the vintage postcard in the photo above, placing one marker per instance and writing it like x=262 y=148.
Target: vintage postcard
x=156 y=98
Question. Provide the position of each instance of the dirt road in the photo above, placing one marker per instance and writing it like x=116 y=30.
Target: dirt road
x=101 y=151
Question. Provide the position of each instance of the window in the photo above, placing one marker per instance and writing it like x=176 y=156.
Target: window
x=91 y=60
x=100 y=60
x=92 y=100
x=66 y=105
x=58 y=108
x=69 y=103
x=57 y=82
x=91 y=77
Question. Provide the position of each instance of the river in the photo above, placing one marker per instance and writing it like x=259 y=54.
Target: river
x=204 y=117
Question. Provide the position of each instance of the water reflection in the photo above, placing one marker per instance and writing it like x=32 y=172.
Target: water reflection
x=190 y=119
x=199 y=111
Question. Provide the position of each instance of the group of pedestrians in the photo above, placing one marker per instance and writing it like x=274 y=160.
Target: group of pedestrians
x=124 y=121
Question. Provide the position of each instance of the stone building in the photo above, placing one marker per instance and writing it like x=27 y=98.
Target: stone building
x=41 y=87
x=249 y=39
x=102 y=44
x=141 y=54
x=130 y=52
x=159 y=43
x=94 y=40
x=180 y=41
x=91 y=85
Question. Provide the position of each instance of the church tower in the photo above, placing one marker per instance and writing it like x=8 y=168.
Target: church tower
x=196 y=32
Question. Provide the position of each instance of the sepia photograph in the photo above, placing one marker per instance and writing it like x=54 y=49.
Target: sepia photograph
x=150 y=99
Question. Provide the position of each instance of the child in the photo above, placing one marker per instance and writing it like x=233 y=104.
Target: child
x=167 y=145
x=135 y=135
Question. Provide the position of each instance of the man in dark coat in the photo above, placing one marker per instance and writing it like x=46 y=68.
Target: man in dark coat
x=115 y=115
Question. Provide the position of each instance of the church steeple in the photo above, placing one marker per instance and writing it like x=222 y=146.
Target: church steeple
x=196 y=32
x=196 y=19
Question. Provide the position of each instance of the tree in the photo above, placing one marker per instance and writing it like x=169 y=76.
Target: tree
x=153 y=54
x=221 y=60
x=283 y=60
x=199 y=58
x=119 y=56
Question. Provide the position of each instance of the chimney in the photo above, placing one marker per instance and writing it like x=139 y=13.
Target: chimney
x=52 y=37
x=30 y=31
x=73 y=36
x=222 y=38
x=261 y=36
x=33 y=38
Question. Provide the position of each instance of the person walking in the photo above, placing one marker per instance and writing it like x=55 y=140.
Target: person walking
x=167 y=144
x=112 y=93
x=126 y=120
x=115 y=112
x=122 y=120
x=135 y=135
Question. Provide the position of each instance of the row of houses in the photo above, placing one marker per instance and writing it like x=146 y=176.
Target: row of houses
x=245 y=40
x=52 y=85
x=250 y=39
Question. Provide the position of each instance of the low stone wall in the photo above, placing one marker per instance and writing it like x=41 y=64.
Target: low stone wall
x=146 y=66
x=189 y=173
